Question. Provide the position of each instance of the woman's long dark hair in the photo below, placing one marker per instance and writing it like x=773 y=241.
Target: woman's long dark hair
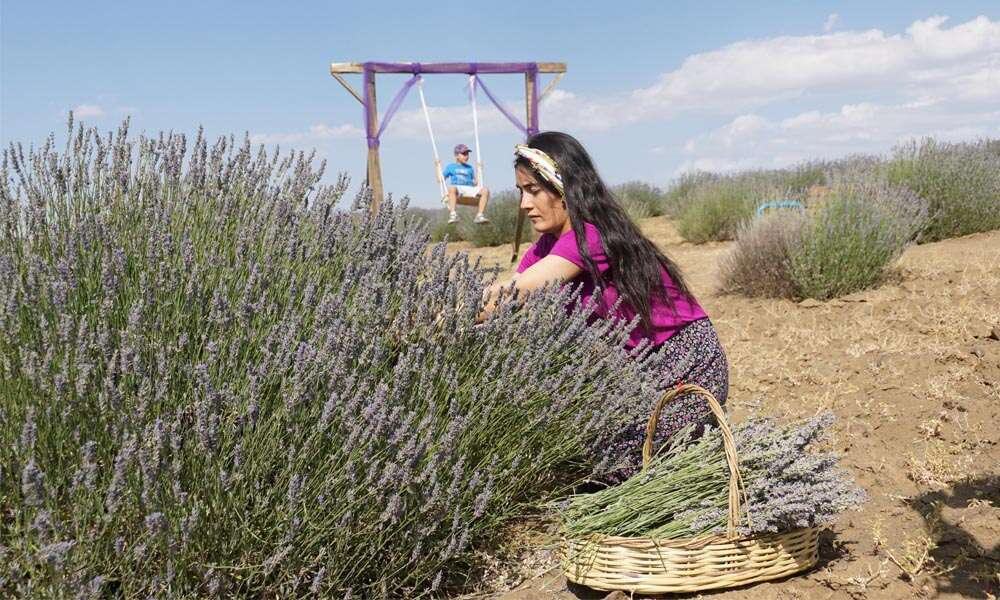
x=634 y=260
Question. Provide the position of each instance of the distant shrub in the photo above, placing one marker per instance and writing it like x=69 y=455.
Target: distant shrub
x=435 y=220
x=680 y=191
x=854 y=163
x=960 y=181
x=760 y=263
x=790 y=182
x=992 y=146
x=640 y=200
x=443 y=231
x=716 y=209
x=861 y=228
x=844 y=246
x=796 y=180
x=502 y=212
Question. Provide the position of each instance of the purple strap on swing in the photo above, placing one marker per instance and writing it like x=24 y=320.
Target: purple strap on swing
x=374 y=138
x=514 y=120
x=473 y=69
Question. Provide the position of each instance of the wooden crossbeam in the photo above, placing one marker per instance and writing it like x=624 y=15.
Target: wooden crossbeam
x=405 y=67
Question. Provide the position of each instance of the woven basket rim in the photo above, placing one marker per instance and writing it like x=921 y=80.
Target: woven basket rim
x=687 y=543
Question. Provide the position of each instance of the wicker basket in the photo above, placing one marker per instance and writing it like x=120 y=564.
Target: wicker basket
x=652 y=566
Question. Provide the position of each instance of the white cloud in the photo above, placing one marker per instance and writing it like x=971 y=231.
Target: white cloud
x=831 y=22
x=449 y=121
x=856 y=128
x=88 y=111
x=562 y=109
x=927 y=60
x=757 y=72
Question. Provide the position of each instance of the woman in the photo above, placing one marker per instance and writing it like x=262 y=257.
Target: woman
x=588 y=240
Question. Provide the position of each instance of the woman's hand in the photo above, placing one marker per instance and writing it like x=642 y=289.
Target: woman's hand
x=551 y=269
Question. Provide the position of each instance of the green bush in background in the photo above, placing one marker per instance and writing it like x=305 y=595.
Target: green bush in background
x=502 y=212
x=640 y=200
x=864 y=225
x=716 y=209
x=961 y=182
x=680 y=190
x=796 y=180
x=845 y=246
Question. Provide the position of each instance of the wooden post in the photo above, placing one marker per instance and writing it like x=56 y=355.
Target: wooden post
x=531 y=112
x=374 y=164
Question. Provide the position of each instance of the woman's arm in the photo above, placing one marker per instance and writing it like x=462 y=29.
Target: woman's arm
x=551 y=269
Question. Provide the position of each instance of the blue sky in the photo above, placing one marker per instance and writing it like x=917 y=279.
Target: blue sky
x=652 y=89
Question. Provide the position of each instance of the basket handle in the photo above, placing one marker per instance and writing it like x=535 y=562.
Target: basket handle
x=735 y=479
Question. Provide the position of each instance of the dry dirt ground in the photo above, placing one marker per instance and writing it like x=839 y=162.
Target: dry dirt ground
x=912 y=371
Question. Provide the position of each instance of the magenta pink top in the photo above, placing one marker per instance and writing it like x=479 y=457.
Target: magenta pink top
x=666 y=322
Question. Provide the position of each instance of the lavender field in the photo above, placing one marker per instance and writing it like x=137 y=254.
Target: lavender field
x=219 y=378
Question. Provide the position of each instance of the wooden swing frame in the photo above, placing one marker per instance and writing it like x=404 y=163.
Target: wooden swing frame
x=368 y=101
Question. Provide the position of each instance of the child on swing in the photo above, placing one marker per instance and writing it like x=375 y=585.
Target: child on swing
x=463 y=183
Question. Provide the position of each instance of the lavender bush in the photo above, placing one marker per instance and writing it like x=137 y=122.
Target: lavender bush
x=863 y=226
x=842 y=246
x=961 y=182
x=760 y=263
x=216 y=381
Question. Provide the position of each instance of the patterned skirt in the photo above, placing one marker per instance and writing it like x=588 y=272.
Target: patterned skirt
x=692 y=355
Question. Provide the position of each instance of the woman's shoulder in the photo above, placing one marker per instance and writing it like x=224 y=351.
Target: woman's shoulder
x=567 y=247
x=590 y=232
x=595 y=241
x=539 y=250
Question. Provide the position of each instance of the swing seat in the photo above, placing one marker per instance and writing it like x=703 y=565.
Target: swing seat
x=464 y=199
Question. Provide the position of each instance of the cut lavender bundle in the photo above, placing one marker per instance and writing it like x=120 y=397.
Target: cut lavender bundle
x=683 y=492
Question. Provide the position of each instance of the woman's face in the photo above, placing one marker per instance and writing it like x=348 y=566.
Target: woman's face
x=546 y=210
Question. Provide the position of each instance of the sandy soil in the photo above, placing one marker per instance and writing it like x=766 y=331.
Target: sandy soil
x=912 y=371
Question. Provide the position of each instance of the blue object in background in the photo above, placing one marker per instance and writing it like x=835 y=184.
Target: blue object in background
x=780 y=204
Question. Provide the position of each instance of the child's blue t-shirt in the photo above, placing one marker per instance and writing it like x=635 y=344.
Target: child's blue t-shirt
x=459 y=174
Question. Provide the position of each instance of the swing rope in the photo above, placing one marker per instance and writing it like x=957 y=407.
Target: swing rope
x=430 y=131
x=475 y=83
x=473 y=79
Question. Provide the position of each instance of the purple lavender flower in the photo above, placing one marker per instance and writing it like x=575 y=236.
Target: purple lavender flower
x=29 y=433
x=55 y=554
x=32 y=484
x=156 y=523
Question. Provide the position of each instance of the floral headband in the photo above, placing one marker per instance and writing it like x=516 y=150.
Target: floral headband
x=543 y=164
